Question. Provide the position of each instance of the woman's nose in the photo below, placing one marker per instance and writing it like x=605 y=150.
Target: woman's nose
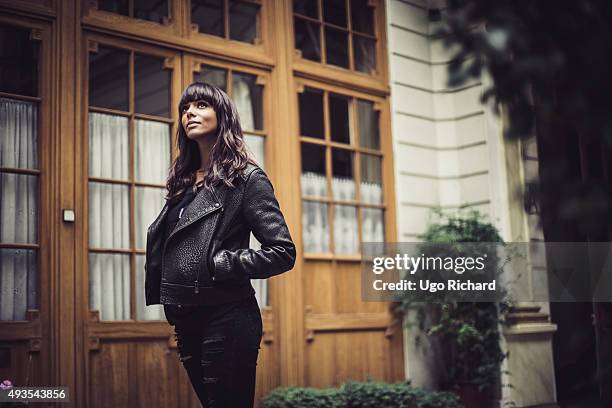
x=189 y=112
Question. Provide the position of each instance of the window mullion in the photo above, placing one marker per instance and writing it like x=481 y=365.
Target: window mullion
x=350 y=35
x=132 y=234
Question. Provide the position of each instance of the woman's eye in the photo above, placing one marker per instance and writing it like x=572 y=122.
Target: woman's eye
x=202 y=105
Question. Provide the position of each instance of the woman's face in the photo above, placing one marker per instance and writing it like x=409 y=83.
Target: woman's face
x=198 y=119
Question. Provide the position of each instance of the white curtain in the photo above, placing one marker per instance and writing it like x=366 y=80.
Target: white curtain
x=18 y=208
x=314 y=215
x=109 y=220
x=256 y=145
x=151 y=163
x=241 y=95
x=109 y=274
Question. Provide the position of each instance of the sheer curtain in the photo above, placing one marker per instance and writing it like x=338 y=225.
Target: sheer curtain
x=109 y=216
x=109 y=273
x=18 y=208
x=241 y=95
x=151 y=163
x=315 y=225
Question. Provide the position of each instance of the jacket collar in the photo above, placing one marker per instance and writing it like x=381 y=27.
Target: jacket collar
x=204 y=203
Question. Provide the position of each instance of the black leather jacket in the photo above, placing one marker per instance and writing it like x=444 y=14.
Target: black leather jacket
x=207 y=254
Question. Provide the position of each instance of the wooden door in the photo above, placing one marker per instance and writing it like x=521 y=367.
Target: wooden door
x=26 y=187
x=130 y=117
x=346 y=201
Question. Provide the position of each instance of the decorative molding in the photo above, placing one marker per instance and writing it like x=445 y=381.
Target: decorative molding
x=94 y=343
x=34 y=345
x=196 y=67
x=36 y=34
x=168 y=63
x=260 y=80
x=92 y=46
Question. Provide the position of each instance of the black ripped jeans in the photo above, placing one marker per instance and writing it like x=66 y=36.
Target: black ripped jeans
x=218 y=346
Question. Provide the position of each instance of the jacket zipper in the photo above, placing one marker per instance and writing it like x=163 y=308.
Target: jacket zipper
x=196 y=287
x=172 y=233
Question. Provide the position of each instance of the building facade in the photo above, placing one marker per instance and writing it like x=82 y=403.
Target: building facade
x=345 y=105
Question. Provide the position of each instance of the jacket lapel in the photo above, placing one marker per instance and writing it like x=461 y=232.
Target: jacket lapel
x=204 y=203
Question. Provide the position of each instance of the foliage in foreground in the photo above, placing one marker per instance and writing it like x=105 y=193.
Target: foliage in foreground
x=354 y=394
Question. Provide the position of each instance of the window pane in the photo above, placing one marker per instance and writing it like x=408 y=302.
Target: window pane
x=108 y=146
x=151 y=86
x=339 y=118
x=256 y=145
x=19 y=58
x=313 y=171
x=346 y=235
x=148 y=202
x=307 y=39
x=108 y=78
x=151 y=10
x=362 y=16
x=212 y=75
x=368 y=118
x=248 y=97
x=152 y=151
x=18 y=283
x=18 y=134
x=334 y=11
x=311 y=113
x=336 y=42
x=208 y=15
x=18 y=208
x=115 y=6
x=152 y=312
x=109 y=216
x=365 y=54
x=109 y=285
x=243 y=21
x=343 y=179
x=371 y=179
x=315 y=227
x=306 y=7
x=372 y=225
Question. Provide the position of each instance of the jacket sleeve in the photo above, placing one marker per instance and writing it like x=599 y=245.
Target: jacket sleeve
x=263 y=215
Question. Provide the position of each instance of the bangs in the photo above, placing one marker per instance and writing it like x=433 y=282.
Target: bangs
x=200 y=91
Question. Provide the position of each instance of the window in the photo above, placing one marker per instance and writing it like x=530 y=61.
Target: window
x=19 y=171
x=247 y=92
x=129 y=157
x=156 y=11
x=340 y=143
x=336 y=32
x=231 y=19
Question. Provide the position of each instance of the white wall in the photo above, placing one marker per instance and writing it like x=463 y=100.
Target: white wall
x=448 y=147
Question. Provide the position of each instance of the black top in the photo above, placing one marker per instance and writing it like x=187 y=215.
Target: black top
x=176 y=211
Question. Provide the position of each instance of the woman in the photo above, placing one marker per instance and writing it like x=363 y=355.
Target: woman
x=198 y=261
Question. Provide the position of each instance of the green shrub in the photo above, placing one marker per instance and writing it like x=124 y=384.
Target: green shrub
x=352 y=394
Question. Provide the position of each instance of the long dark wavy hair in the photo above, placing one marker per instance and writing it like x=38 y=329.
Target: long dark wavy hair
x=229 y=155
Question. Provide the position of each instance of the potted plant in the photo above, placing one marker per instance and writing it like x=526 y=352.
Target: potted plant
x=465 y=335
